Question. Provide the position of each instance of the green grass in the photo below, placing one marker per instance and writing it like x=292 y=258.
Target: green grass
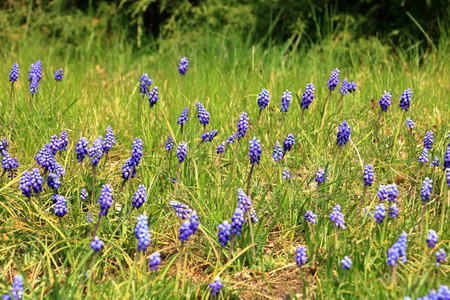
x=100 y=88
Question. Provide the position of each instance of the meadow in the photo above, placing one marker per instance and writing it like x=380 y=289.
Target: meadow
x=101 y=87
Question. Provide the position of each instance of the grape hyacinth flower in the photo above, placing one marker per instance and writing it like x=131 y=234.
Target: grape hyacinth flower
x=181 y=210
x=60 y=209
x=244 y=201
x=215 y=286
x=153 y=96
x=428 y=140
x=425 y=192
x=393 y=211
x=351 y=86
x=286 y=174
x=263 y=101
x=310 y=217
x=17 y=288
x=54 y=145
x=224 y=233
x=277 y=152
x=333 y=81
x=136 y=151
x=432 y=238
x=142 y=233
x=320 y=176
x=254 y=217
x=140 y=196
x=105 y=199
x=182 y=152
x=405 y=99
x=25 y=184
x=289 y=142
x=53 y=181
x=301 y=256
x=128 y=170
x=409 y=123
x=447 y=158
x=398 y=251
x=36 y=181
x=96 y=151
x=169 y=143
x=231 y=139
x=423 y=157
x=346 y=263
x=9 y=165
x=435 y=162
x=343 y=134
x=285 y=101
x=447 y=175
x=242 y=125
x=392 y=191
x=221 y=148
x=109 y=141
x=385 y=101
x=337 y=217
x=63 y=141
x=154 y=261
x=35 y=76
x=82 y=149
x=183 y=118
x=237 y=221
x=380 y=213
x=14 y=75
x=203 y=115
x=209 y=136
x=3 y=146
x=254 y=151
x=96 y=244
x=308 y=96
x=368 y=175
x=59 y=75
x=145 y=83
x=382 y=192
x=45 y=159
x=185 y=231
x=83 y=194
x=344 y=87
x=440 y=257
x=183 y=66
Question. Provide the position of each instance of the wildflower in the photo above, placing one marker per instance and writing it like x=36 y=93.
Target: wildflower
x=301 y=256
x=183 y=118
x=346 y=263
x=263 y=99
x=435 y=162
x=17 y=287
x=392 y=191
x=145 y=83
x=380 y=213
x=344 y=87
x=254 y=151
x=154 y=261
x=405 y=99
x=209 y=136
x=59 y=75
x=382 y=192
x=54 y=145
x=45 y=158
x=310 y=217
x=63 y=141
x=320 y=176
x=153 y=96
x=202 y=114
x=428 y=140
x=9 y=164
x=308 y=96
x=25 y=184
x=237 y=221
x=142 y=233
x=140 y=196
x=409 y=123
x=254 y=217
x=60 y=209
x=224 y=233
x=432 y=238
x=105 y=199
x=231 y=139
x=244 y=201
x=53 y=181
x=216 y=286
x=440 y=257
x=3 y=145
x=277 y=152
x=96 y=151
x=169 y=143
x=110 y=140
x=425 y=192
x=423 y=158
x=82 y=149
x=182 y=152
x=136 y=151
x=242 y=125
x=385 y=101
x=289 y=142
x=351 y=86
x=183 y=66
x=14 y=75
x=185 y=231
x=96 y=244
x=181 y=210
x=286 y=174
x=221 y=148
x=337 y=217
x=393 y=211
x=36 y=181
x=285 y=101
x=83 y=194
x=398 y=251
x=343 y=134
x=334 y=79
x=368 y=175
x=128 y=169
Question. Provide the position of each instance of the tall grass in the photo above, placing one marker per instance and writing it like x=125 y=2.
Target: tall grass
x=100 y=88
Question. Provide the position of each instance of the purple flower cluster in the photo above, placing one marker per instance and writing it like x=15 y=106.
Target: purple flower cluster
x=96 y=151
x=140 y=196
x=425 y=192
x=337 y=217
x=14 y=75
x=237 y=221
x=289 y=142
x=344 y=87
x=181 y=210
x=242 y=125
x=346 y=263
x=231 y=139
x=393 y=211
x=343 y=134
x=183 y=66
x=409 y=123
x=209 y=136
x=405 y=99
x=428 y=140
x=109 y=141
x=53 y=181
x=59 y=75
x=244 y=201
x=398 y=251
x=334 y=80
x=83 y=194
x=301 y=256
x=60 y=209
x=440 y=257
x=82 y=149
x=35 y=76
x=286 y=174
x=310 y=217
x=105 y=199
x=25 y=184
x=96 y=244
x=263 y=99
x=202 y=114
x=285 y=101
x=215 y=286
x=254 y=151
x=9 y=164
x=423 y=157
x=128 y=169
x=385 y=101
x=221 y=148
x=17 y=289
x=182 y=152
x=432 y=238
x=154 y=261
x=380 y=213
x=308 y=96
x=169 y=143
x=368 y=175
x=435 y=162
x=183 y=118
x=153 y=96
x=145 y=83
x=443 y=293
x=189 y=227
x=277 y=152
x=142 y=233
x=388 y=191
x=224 y=233
x=136 y=151
x=320 y=176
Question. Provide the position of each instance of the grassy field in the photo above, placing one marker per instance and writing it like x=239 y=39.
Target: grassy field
x=101 y=87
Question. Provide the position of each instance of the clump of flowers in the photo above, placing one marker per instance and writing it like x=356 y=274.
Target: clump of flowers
x=426 y=189
x=153 y=96
x=380 y=213
x=105 y=199
x=320 y=176
x=109 y=141
x=285 y=101
x=289 y=142
x=409 y=123
x=286 y=174
x=337 y=217
x=96 y=244
x=224 y=233
x=405 y=99
x=183 y=66
x=142 y=233
x=301 y=256
x=277 y=152
x=310 y=217
x=96 y=151
x=182 y=152
x=346 y=263
x=59 y=75
x=440 y=257
x=244 y=201
x=14 y=75
x=385 y=101
x=308 y=96
x=183 y=118
x=333 y=81
x=393 y=211
x=428 y=140
x=398 y=251
x=60 y=209
x=423 y=157
x=242 y=125
x=435 y=162
x=368 y=175
x=237 y=221
x=145 y=83
x=181 y=210
x=140 y=196
x=202 y=114
x=82 y=149
x=216 y=286
x=263 y=99
x=343 y=134
x=254 y=151
x=154 y=261
x=169 y=143
x=432 y=238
